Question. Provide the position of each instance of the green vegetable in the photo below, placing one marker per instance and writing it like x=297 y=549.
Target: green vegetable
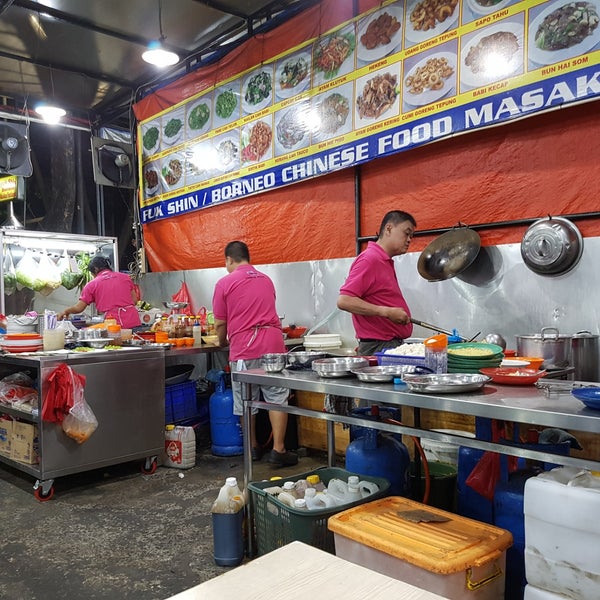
x=225 y=104
x=172 y=128
x=199 y=116
x=259 y=88
x=70 y=280
x=150 y=138
x=10 y=283
x=83 y=263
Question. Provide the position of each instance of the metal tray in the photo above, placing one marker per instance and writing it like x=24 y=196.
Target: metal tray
x=446 y=383
x=338 y=367
x=385 y=373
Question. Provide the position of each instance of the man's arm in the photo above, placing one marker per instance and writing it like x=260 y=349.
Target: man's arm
x=221 y=331
x=358 y=306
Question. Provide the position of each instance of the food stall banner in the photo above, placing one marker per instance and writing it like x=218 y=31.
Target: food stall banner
x=9 y=188
x=398 y=76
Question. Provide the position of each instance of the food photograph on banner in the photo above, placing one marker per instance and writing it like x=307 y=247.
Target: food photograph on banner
x=561 y=31
x=379 y=34
x=473 y=10
x=293 y=74
x=333 y=55
x=226 y=151
x=257 y=90
x=426 y=19
x=257 y=140
x=201 y=163
x=198 y=116
x=292 y=128
x=377 y=96
x=331 y=111
x=430 y=77
x=150 y=139
x=227 y=104
x=493 y=53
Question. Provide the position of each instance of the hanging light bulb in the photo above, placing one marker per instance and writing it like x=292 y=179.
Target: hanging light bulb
x=50 y=114
x=157 y=55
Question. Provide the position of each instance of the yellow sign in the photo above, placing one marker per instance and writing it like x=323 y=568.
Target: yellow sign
x=9 y=188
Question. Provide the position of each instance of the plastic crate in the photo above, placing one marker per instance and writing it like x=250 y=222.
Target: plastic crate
x=397 y=359
x=180 y=401
x=277 y=524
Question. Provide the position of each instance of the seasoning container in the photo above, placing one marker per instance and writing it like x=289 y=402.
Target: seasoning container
x=114 y=334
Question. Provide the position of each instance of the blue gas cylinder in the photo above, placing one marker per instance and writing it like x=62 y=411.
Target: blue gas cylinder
x=381 y=455
x=225 y=427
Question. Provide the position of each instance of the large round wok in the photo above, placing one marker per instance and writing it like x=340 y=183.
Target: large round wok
x=449 y=254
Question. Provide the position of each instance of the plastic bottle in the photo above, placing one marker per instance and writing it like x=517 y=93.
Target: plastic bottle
x=338 y=489
x=315 y=481
x=287 y=499
x=436 y=353
x=180 y=447
x=367 y=488
x=228 y=525
x=197 y=335
x=300 y=504
x=114 y=333
x=353 y=479
x=290 y=488
x=318 y=500
x=300 y=487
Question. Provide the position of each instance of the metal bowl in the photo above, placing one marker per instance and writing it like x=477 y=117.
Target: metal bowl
x=386 y=373
x=446 y=383
x=338 y=367
x=96 y=342
x=274 y=362
x=304 y=359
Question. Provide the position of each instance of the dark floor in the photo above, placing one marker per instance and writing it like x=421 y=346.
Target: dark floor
x=114 y=532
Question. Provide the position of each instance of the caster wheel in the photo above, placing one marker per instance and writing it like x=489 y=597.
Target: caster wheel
x=149 y=467
x=39 y=494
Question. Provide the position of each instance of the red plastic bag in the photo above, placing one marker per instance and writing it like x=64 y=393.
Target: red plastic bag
x=183 y=295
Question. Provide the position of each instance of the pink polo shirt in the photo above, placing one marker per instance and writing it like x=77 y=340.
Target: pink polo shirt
x=111 y=291
x=245 y=299
x=373 y=279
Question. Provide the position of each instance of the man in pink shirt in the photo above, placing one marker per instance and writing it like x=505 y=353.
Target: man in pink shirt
x=245 y=314
x=380 y=314
x=113 y=294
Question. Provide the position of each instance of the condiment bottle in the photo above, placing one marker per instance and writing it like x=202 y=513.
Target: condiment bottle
x=114 y=333
x=436 y=353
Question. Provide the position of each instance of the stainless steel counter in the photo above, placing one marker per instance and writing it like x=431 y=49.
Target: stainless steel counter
x=519 y=404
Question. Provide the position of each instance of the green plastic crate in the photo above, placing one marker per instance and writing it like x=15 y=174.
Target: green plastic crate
x=277 y=524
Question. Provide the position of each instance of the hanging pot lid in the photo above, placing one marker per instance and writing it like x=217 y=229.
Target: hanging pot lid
x=449 y=254
x=552 y=246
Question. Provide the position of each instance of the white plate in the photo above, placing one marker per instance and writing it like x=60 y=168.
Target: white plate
x=479 y=9
x=548 y=57
x=252 y=108
x=171 y=140
x=199 y=131
x=280 y=149
x=389 y=112
x=235 y=88
x=346 y=92
x=429 y=96
x=151 y=151
x=418 y=36
x=384 y=49
x=246 y=132
x=151 y=191
x=301 y=85
x=514 y=66
x=513 y=362
x=225 y=162
x=165 y=163
x=347 y=65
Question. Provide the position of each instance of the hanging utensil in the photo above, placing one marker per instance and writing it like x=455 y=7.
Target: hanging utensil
x=449 y=254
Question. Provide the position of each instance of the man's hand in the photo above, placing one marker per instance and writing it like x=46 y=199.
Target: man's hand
x=397 y=315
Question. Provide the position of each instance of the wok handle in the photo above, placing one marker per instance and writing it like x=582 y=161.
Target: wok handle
x=432 y=327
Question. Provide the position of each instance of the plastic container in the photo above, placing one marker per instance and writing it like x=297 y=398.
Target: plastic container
x=436 y=353
x=442 y=491
x=114 y=334
x=180 y=401
x=277 y=524
x=562 y=533
x=435 y=550
x=180 y=447
x=54 y=339
x=396 y=359
x=533 y=593
x=445 y=452
x=228 y=525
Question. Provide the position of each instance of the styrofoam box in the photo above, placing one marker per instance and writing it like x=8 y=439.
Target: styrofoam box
x=562 y=534
x=533 y=593
x=445 y=452
x=455 y=557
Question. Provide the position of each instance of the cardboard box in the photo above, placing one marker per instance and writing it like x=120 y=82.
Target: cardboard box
x=6 y=430
x=25 y=443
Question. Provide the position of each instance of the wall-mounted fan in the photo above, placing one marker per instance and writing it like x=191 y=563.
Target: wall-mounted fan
x=113 y=163
x=14 y=150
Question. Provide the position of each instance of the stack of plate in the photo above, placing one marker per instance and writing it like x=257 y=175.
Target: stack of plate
x=22 y=342
x=472 y=356
x=322 y=340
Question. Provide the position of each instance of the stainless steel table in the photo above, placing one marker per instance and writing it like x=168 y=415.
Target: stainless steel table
x=519 y=404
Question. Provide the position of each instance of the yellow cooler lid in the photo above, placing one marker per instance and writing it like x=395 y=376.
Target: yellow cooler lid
x=427 y=537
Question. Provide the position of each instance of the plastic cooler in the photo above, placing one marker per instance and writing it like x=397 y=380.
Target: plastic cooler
x=277 y=524
x=438 y=551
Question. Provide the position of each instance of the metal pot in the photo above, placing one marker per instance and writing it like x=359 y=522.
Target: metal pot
x=554 y=348
x=586 y=356
x=449 y=254
x=303 y=360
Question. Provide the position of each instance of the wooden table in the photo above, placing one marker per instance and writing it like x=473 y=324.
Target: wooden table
x=297 y=572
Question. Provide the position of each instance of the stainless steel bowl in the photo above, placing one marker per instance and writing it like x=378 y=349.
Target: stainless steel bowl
x=338 y=367
x=386 y=373
x=274 y=362
x=304 y=359
x=96 y=343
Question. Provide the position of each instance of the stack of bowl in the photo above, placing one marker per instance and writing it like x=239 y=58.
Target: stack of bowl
x=469 y=357
x=22 y=342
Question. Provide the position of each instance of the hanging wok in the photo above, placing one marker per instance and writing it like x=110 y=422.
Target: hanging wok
x=449 y=254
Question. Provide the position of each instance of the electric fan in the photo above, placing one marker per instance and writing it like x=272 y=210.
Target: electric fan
x=113 y=163
x=14 y=150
